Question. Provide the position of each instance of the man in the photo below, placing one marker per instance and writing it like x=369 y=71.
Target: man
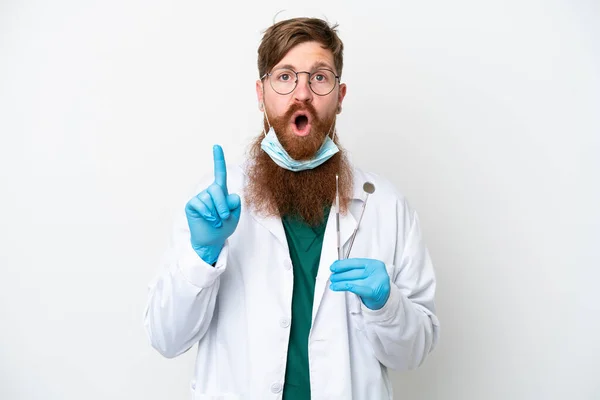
x=253 y=277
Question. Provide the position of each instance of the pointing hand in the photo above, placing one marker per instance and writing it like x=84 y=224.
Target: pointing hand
x=213 y=214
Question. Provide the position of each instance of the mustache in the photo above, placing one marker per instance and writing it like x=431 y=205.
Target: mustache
x=307 y=108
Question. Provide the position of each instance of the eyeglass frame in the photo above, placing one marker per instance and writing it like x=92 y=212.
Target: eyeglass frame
x=310 y=74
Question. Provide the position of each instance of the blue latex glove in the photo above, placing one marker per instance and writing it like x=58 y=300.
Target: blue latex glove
x=213 y=214
x=363 y=276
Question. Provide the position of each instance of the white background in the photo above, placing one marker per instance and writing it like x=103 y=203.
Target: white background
x=484 y=114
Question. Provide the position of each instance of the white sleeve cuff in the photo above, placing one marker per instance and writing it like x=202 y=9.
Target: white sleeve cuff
x=389 y=310
x=197 y=271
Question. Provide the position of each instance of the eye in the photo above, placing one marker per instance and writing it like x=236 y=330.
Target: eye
x=284 y=75
x=321 y=76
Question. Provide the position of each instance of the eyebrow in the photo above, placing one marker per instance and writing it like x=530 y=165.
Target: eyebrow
x=317 y=65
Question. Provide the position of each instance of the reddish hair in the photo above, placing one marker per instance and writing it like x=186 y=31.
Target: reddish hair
x=284 y=35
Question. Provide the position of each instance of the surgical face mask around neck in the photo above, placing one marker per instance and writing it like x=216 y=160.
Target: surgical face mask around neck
x=271 y=145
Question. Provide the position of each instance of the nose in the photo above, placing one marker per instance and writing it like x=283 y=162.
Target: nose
x=303 y=92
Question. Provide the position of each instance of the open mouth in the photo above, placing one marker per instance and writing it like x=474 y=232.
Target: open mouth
x=301 y=124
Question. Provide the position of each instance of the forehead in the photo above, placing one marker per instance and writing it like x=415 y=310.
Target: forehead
x=306 y=56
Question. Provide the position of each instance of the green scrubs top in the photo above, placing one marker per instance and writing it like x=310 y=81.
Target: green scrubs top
x=305 y=243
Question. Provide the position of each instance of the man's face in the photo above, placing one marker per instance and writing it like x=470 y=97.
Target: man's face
x=302 y=118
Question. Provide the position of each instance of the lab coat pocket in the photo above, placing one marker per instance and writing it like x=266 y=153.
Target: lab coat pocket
x=354 y=308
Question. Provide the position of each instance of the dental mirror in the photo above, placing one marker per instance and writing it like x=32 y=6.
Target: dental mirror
x=369 y=188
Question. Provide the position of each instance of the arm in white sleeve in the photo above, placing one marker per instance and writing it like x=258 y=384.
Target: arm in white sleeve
x=405 y=330
x=181 y=299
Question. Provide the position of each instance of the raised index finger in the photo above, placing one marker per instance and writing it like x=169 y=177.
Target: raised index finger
x=220 y=168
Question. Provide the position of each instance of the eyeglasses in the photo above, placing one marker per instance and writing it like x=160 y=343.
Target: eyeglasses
x=321 y=82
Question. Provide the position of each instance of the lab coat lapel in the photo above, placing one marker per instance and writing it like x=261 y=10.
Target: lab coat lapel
x=329 y=253
x=275 y=226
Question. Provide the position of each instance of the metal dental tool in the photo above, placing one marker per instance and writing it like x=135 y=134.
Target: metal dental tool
x=369 y=188
x=337 y=216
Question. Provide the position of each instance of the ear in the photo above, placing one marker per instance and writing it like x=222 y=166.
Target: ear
x=260 y=95
x=341 y=95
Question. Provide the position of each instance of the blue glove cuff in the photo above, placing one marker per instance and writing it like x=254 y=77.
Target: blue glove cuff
x=209 y=254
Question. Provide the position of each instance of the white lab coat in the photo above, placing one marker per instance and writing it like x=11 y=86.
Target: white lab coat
x=238 y=312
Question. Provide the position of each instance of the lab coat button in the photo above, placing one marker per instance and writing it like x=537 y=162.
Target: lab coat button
x=284 y=322
x=276 y=387
x=288 y=265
